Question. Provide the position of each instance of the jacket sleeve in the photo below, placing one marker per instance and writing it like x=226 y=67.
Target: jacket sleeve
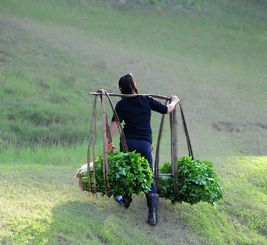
x=157 y=106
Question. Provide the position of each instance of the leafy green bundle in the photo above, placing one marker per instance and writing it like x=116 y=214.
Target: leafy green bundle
x=197 y=181
x=129 y=173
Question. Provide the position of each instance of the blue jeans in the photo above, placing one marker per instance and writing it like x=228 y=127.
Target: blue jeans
x=144 y=148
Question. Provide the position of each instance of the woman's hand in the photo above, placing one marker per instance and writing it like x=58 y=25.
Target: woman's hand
x=111 y=147
x=174 y=100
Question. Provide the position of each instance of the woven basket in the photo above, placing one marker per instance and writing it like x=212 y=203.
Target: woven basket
x=82 y=169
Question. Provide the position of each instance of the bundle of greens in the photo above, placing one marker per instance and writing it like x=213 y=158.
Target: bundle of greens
x=129 y=173
x=197 y=182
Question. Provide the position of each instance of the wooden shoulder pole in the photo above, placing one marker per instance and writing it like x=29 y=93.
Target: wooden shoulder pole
x=174 y=153
x=156 y=168
x=104 y=137
x=132 y=95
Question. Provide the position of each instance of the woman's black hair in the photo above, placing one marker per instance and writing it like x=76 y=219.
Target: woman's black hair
x=127 y=84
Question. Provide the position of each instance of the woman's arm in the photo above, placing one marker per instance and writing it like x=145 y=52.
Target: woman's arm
x=113 y=128
x=174 y=100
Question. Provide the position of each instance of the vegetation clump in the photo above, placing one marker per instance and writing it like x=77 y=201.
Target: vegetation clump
x=197 y=181
x=129 y=173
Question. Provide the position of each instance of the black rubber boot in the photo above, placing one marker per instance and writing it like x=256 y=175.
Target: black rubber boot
x=152 y=204
x=124 y=201
x=127 y=201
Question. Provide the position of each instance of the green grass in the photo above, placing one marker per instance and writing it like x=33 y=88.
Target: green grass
x=241 y=217
x=211 y=53
x=41 y=204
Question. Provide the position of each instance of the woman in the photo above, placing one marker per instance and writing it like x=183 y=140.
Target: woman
x=136 y=114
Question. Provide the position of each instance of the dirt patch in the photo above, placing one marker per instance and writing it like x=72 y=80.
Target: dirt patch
x=173 y=5
x=261 y=125
x=2 y=60
x=227 y=127
x=230 y=127
x=101 y=239
x=171 y=229
x=42 y=84
x=3 y=56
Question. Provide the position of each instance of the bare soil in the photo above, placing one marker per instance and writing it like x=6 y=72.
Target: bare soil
x=170 y=228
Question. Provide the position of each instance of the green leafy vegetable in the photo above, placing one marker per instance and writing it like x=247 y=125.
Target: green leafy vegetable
x=197 y=181
x=129 y=173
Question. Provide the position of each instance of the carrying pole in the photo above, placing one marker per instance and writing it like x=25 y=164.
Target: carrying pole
x=104 y=138
x=189 y=146
x=132 y=95
x=156 y=167
x=173 y=126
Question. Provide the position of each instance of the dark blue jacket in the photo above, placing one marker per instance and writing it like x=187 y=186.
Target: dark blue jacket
x=136 y=114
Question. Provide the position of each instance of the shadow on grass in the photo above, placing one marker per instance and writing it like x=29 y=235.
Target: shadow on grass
x=102 y=221
x=83 y=223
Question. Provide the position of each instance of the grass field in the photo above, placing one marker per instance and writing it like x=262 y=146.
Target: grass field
x=213 y=54
x=41 y=204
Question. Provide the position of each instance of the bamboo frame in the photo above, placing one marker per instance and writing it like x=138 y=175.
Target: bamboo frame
x=132 y=95
x=104 y=137
x=173 y=127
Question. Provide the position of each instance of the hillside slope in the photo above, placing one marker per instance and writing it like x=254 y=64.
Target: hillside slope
x=212 y=53
x=52 y=53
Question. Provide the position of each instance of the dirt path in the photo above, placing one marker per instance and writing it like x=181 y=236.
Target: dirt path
x=170 y=229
